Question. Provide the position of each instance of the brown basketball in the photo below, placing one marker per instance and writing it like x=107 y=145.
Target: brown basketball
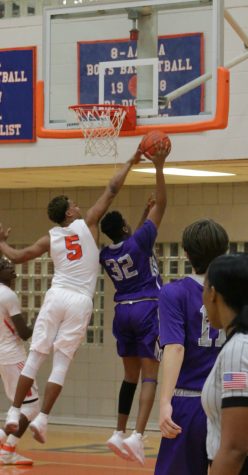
x=150 y=140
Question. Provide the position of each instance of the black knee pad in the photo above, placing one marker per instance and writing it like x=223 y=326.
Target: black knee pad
x=126 y=397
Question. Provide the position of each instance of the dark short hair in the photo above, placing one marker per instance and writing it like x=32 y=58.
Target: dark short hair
x=57 y=208
x=5 y=263
x=112 y=225
x=228 y=274
x=204 y=240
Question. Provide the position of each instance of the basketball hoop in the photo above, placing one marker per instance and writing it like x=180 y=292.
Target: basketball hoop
x=101 y=125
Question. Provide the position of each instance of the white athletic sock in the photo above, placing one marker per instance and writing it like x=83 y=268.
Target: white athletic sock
x=12 y=440
x=42 y=417
x=15 y=411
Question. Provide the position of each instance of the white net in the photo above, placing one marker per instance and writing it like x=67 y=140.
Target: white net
x=101 y=125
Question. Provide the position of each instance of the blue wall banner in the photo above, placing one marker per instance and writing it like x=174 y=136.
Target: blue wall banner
x=180 y=61
x=17 y=94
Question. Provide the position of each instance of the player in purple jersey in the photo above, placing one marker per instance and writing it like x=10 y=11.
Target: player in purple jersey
x=190 y=350
x=130 y=263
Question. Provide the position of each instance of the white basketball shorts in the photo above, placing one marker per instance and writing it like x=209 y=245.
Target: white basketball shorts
x=62 y=321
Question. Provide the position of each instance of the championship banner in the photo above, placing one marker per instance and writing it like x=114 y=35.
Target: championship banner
x=180 y=61
x=17 y=94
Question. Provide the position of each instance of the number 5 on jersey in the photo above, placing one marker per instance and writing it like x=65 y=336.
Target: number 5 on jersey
x=72 y=245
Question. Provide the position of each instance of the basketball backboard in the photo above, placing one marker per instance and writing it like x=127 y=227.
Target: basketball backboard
x=132 y=53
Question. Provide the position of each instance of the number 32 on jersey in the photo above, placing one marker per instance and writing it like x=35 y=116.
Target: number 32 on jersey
x=122 y=268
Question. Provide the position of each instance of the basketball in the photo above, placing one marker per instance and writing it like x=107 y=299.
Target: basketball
x=132 y=85
x=150 y=140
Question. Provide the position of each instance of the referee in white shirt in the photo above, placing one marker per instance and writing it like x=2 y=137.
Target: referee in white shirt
x=225 y=393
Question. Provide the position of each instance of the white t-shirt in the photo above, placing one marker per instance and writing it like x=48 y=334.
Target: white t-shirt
x=11 y=345
x=75 y=257
x=228 y=379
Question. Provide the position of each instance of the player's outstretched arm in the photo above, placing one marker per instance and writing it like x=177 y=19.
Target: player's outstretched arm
x=96 y=212
x=27 y=253
x=156 y=212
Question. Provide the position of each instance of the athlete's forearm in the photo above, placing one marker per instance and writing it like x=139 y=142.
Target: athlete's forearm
x=15 y=255
x=161 y=196
x=30 y=252
x=143 y=216
x=96 y=212
x=172 y=362
x=157 y=211
x=118 y=179
x=23 y=330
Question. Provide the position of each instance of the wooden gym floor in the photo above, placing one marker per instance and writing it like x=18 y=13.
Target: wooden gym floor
x=71 y=450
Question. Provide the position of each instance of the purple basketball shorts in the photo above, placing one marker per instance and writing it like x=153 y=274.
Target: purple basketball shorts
x=136 y=329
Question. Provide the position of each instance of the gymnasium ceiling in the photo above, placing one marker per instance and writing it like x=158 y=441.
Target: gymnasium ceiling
x=98 y=175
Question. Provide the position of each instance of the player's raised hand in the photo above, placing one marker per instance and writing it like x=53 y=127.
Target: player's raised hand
x=4 y=234
x=162 y=150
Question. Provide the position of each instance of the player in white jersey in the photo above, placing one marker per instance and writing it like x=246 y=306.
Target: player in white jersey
x=225 y=393
x=67 y=308
x=13 y=330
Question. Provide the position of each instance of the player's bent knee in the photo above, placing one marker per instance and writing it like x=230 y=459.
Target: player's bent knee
x=61 y=364
x=30 y=409
x=33 y=363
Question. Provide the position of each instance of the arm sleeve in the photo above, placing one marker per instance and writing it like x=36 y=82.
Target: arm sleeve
x=234 y=375
x=171 y=316
x=146 y=235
